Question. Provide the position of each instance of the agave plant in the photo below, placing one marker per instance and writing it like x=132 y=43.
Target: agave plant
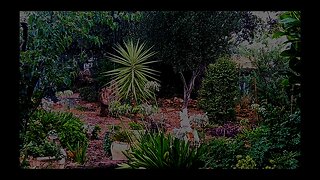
x=134 y=72
x=161 y=151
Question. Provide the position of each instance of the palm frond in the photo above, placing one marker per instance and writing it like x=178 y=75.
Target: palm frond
x=134 y=73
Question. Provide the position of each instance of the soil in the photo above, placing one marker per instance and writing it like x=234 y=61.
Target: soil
x=96 y=157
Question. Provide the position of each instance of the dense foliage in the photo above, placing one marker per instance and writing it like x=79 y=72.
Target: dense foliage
x=63 y=53
x=68 y=128
x=57 y=45
x=188 y=41
x=291 y=28
x=219 y=90
x=268 y=80
x=161 y=151
x=221 y=153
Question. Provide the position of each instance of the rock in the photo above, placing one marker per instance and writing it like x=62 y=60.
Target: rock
x=63 y=152
x=117 y=148
x=62 y=161
x=46 y=158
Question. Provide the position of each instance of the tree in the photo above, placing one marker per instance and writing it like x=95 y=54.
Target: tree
x=189 y=41
x=219 y=90
x=290 y=23
x=55 y=46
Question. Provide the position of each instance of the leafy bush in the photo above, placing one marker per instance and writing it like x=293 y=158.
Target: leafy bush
x=222 y=152
x=157 y=150
x=72 y=132
x=46 y=148
x=258 y=144
x=68 y=127
x=245 y=163
x=276 y=142
x=285 y=160
x=285 y=137
x=219 y=90
x=268 y=80
x=285 y=127
x=117 y=109
x=290 y=22
x=88 y=93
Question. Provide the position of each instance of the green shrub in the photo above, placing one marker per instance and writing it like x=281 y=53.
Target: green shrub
x=160 y=151
x=88 y=93
x=285 y=160
x=218 y=91
x=36 y=137
x=258 y=144
x=45 y=148
x=72 y=132
x=276 y=142
x=117 y=109
x=285 y=127
x=286 y=135
x=68 y=127
x=245 y=163
x=222 y=152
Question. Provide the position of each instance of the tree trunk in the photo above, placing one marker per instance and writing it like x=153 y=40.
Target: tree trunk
x=103 y=110
x=187 y=88
x=23 y=46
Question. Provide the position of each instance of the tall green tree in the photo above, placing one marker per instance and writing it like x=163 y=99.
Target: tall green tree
x=189 y=41
x=290 y=27
x=55 y=44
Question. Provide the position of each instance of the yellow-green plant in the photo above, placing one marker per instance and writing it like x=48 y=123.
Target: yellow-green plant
x=245 y=163
x=134 y=72
x=79 y=152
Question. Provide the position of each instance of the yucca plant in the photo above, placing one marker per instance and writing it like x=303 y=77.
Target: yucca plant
x=161 y=151
x=134 y=72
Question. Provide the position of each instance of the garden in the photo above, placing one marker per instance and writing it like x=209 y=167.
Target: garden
x=160 y=90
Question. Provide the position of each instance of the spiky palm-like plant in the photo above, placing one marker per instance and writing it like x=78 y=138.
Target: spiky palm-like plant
x=162 y=151
x=133 y=75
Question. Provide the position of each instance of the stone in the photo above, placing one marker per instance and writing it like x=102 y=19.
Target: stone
x=63 y=152
x=117 y=148
x=62 y=161
x=46 y=158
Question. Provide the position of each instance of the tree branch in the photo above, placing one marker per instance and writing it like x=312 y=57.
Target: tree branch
x=183 y=80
